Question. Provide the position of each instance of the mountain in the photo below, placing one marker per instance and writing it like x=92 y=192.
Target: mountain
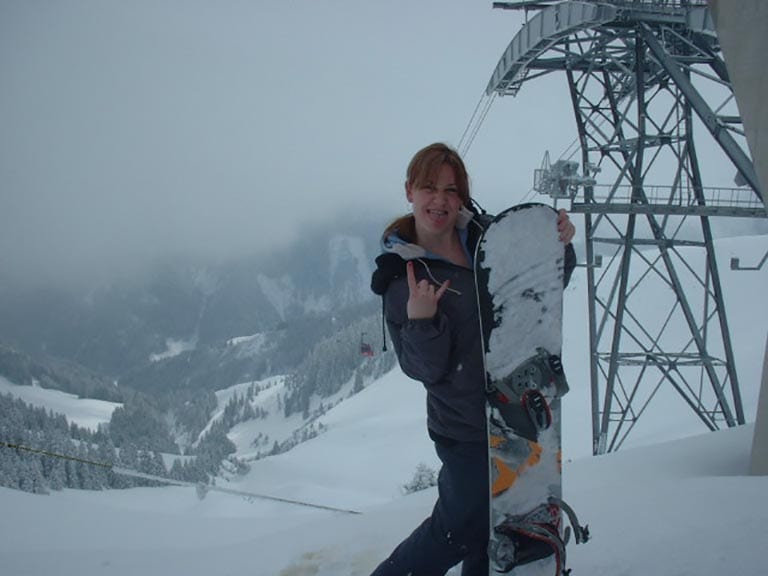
x=131 y=327
x=159 y=345
x=55 y=373
x=184 y=326
x=185 y=395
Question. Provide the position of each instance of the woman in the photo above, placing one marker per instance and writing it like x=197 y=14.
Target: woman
x=426 y=279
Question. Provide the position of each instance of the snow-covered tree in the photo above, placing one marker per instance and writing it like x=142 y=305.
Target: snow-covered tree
x=424 y=477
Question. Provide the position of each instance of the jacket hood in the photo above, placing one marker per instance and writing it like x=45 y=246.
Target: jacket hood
x=396 y=251
x=391 y=263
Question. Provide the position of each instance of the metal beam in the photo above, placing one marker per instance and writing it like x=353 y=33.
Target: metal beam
x=539 y=35
x=742 y=162
x=665 y=209
x=629 y=77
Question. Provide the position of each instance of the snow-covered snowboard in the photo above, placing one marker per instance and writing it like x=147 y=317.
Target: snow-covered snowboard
x=519 y=273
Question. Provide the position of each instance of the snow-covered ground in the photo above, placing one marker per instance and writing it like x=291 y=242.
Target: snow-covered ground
x=684 y=507
x=85 y=412
x=674 y=501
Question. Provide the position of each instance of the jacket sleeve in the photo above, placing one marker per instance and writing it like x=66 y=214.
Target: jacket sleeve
x=422 y=346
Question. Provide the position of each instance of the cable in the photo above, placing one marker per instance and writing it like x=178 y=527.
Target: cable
x=475 y=122
x=202 y=489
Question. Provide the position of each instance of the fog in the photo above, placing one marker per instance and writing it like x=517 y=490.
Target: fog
x=132 y=130
x=136 y=129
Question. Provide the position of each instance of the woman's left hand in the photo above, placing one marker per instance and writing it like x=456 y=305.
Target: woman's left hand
x=565 y=227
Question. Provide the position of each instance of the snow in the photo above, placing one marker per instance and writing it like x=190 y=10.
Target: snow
x=537 y=314
x=173 y=348
x=85 y=412
x=253 y=338
x=675 y=501
x=683 y=507
x=277 y=426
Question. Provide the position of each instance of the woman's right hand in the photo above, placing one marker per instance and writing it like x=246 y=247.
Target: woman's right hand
x=423 y=297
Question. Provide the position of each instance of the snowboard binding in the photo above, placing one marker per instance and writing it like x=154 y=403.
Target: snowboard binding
x=542 y=371
x=521 y=397
x=537 y=408
x=533 y=536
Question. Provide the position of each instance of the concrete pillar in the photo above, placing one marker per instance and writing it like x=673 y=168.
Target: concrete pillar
x=742 y=28
x=759 y=461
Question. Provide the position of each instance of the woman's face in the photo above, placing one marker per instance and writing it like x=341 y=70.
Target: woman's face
x=436 y=203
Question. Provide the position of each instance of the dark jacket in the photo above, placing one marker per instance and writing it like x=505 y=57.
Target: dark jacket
x=445 y=352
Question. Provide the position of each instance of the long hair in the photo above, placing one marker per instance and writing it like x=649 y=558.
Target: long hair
x=424 y=167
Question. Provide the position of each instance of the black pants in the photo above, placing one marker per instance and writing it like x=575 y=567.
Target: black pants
x=457 y=530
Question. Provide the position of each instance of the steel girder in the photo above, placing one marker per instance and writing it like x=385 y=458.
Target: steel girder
x=641 y=80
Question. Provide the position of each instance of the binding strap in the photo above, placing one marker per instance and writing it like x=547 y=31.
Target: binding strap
x=536 y=535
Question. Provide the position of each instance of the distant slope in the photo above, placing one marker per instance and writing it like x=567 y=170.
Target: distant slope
x=85 y=412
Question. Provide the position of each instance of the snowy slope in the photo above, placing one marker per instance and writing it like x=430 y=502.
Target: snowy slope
x=85 y=412
x=385 y=423
x=684 y=507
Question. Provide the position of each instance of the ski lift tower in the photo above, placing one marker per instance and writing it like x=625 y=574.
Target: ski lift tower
x=657 y=128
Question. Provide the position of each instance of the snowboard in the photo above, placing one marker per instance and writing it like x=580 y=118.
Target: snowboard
x=519 y=270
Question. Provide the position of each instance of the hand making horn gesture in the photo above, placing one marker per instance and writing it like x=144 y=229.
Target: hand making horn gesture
x=423 y=296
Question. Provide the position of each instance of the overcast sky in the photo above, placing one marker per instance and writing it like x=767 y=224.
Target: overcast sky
x=134 y=128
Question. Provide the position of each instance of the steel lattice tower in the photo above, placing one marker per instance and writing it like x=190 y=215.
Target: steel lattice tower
x=655 y=115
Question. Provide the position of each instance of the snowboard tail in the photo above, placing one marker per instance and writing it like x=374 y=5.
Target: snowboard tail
x=534 y=536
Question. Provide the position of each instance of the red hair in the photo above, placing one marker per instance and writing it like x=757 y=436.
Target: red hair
x=422 y=169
